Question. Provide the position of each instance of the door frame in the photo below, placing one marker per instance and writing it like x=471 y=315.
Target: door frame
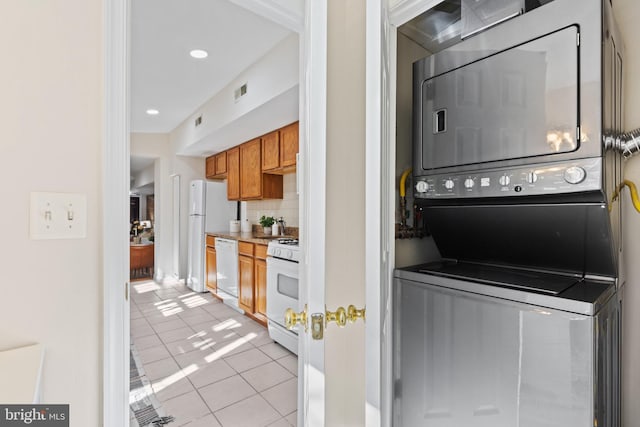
x=383 y=17
x=115 y=163
x=115 y=194
x=312 y=205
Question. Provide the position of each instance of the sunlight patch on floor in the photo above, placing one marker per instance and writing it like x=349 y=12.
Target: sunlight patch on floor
x=174 y=378
x=229 y=347
x=194 y=301
x=146 y=287
x=226 y=324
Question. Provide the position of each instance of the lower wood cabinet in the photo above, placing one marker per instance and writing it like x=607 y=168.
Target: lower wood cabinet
x=211 y=269
x=260 y=277
x=212 y=281
x=245 y=276
x=245 y=283
x=252 y=280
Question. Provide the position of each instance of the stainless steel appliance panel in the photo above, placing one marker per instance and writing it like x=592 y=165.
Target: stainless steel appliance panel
x=554 y=97
x=521 y=102
x=464 y=359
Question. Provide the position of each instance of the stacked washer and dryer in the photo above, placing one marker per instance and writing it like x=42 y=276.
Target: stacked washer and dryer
x=519 y=323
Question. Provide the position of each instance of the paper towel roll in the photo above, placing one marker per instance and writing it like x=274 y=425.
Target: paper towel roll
x=246 y=226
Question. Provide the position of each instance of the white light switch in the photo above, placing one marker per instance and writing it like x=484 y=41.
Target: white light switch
x=58 y=216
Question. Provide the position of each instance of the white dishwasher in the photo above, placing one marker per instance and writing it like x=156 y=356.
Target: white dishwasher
x=227 y=270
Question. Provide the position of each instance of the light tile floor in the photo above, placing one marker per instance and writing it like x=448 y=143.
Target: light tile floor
x=208 y=364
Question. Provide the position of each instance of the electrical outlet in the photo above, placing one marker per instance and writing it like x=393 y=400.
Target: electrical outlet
x=58 y=216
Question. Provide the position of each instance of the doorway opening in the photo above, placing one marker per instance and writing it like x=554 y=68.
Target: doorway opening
x=198 y=359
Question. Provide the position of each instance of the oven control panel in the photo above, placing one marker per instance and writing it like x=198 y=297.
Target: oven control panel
x=539 y=179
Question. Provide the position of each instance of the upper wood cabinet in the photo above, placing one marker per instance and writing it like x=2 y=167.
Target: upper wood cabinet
x=210 y=170
x=289 y=145
x=250 y=172
x=271 y=151
x=221 y=164
x=253 y=183
x=279 y=149
x=217 y=166
x=233 y=173
x=254 y=169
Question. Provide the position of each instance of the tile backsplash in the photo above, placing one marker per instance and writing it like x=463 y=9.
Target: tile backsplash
x=287 y=207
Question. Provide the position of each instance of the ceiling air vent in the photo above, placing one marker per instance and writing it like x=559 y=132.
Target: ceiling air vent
x=240 y=92
x=198 y=121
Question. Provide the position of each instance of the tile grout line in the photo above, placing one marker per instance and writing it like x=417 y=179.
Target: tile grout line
x=222 y=358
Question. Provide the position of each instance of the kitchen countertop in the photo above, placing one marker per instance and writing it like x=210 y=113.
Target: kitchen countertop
x=250 y=237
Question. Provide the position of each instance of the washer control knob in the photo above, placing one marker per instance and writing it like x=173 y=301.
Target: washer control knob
x=469 y=183
x=504 y=180
x=532 y=177
x=422 y=186
x=449 y=184
x=574 y=175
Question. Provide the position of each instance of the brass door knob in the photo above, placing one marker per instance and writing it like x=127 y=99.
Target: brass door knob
x=339 y=316
x=291 y=318
x=353 y=313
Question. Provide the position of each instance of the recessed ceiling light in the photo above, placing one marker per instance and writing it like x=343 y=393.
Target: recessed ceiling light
x=199 y=53
x=153 y=112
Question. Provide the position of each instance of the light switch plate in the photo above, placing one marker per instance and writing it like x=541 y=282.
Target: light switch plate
x=58 y=216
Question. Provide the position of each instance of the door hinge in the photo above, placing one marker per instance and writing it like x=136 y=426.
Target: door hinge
x=126 y=291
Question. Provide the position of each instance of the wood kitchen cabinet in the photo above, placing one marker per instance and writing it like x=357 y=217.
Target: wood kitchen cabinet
x=221 y=164
x=252 y=280
x=233 y=173
x=210 y=168
x=289 y=145
x=211 y=272
x=279 y=149
x=253 y=183
x=245 y=277
x=260 y=277
x=271 y=151
x=216 y=166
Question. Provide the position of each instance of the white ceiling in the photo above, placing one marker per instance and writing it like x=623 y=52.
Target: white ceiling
x=165 y=77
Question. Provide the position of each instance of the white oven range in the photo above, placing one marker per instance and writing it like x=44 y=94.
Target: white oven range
x=282 y=289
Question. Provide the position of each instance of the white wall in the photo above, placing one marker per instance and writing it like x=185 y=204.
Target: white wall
x=51 y=108
x=273 y=75
x=627 y=13
x=144 y=177
x=345 y=198
x=287 y=207
x=156 y=146
x=407 y=251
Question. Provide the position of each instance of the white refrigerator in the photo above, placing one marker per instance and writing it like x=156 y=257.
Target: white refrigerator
x=209 y=211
